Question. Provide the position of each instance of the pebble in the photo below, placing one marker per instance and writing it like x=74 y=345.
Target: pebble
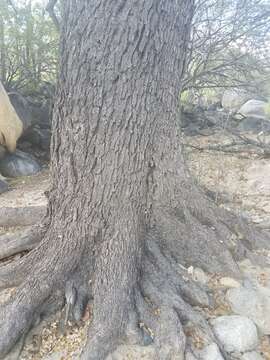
x=228 y=282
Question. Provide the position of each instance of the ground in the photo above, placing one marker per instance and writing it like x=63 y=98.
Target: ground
x=237 y=181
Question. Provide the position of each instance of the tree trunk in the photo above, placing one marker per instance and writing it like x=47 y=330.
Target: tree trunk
x=123 y=211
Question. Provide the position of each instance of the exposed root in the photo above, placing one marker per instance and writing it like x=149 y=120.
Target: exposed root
x=25 y=240
x=13 y=274
x=41 y=292
x=161 y=305
x=166 y=311
x=21 y=216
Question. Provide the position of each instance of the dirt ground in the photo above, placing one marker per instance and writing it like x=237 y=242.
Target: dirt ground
x=241 y=182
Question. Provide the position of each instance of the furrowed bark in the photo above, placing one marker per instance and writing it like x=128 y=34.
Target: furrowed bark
x=124 y=212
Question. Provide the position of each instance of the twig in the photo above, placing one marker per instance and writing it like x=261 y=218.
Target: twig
x=12 y=5
x=230 y=147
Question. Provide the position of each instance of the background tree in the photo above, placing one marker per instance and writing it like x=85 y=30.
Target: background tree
x=124 y=215
x=28 y=45
x=229 y=47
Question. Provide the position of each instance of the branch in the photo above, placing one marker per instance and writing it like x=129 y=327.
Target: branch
x=50 y=10
x=10 y=2
x=243 y=145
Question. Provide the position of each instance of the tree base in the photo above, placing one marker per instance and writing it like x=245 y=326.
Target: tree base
x=160 y=309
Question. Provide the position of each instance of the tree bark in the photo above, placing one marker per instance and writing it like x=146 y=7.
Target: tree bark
x=123 y=210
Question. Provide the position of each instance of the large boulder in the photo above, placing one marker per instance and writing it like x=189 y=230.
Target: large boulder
x=2 y=152
x=18 y=164
x=236 y=333
x=31 y=110
x=233 y=99
x=42 y=113
x=255 y=125
x=11 y=126
x=22 y=108
x=38 y=137
x=3 y=186
x=254 y=108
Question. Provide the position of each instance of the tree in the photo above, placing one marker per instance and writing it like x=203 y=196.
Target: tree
x=28 y=45
x=123 y=211
x=229 y=45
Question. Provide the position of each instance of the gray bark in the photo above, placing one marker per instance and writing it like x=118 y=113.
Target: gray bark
x=123 y=211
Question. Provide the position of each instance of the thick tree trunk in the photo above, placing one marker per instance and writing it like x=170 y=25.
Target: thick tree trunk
x=123 y=210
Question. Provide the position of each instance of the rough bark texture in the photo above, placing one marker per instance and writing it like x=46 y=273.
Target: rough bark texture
x=123 y=210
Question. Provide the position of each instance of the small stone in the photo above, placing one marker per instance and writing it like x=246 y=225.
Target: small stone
x=228 y=282
x=200 y=276
x=252 y=356
x=236 y=333
x=211 y=352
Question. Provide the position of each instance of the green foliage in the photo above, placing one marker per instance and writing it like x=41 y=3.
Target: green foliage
x=28 y=45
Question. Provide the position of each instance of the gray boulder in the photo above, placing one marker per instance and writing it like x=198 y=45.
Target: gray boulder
x=254 y=124
x=254 y=108
x=2 y=152
x=233 y=99
x=253 y=303
x=31 y=110
x=22 y=108
x=40 y=138
x=3 y=186
x=18 y=164
x=236 y=333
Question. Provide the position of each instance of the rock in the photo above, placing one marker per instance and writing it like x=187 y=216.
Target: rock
x=233 y=99
x=38 y=137
x=254 y=124
x=18 y=164
x=3 y=186
x=211 y=352
x=200 y=276
x=32 y=110
x=236 y=333
x=22 y=108
x=2 y=152
x=252 y=356
x=254 y=108
x=42 y=114
x=134 y=352
x=253 y=303
x=228 y=282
